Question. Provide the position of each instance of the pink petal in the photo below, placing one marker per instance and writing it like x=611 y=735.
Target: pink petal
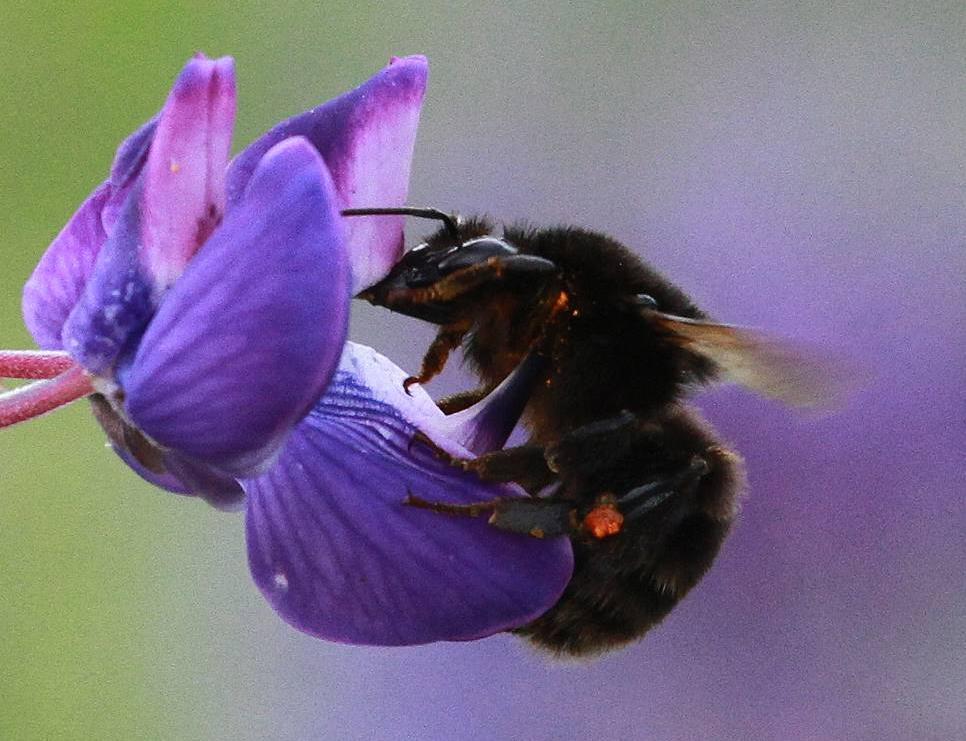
x=184 y=190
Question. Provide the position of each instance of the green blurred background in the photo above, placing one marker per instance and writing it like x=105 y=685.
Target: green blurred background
x=796 y=166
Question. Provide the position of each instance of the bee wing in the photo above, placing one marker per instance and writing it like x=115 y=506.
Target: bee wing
x=768 y=366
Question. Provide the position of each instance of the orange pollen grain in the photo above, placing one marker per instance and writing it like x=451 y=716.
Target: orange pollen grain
x=175 y=167
x=603 y=521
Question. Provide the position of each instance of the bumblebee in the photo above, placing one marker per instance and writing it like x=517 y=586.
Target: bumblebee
x=616 y=458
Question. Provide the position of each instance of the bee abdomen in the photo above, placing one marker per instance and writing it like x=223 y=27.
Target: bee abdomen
x=602 y=610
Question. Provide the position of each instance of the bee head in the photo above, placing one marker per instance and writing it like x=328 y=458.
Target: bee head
x=452 y=271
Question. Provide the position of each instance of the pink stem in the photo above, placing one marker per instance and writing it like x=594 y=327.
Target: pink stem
x=41 y=397
x=33 y=363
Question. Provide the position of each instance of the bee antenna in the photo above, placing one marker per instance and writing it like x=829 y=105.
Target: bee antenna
x=449 y=220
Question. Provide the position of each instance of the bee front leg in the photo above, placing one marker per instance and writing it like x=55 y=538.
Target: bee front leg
x=447 y=339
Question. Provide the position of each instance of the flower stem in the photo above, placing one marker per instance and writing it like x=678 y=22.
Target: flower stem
x=33 y=363
x=41 y=397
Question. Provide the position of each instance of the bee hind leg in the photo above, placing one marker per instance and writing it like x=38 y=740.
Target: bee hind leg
x=538 y=518
x=642 y=499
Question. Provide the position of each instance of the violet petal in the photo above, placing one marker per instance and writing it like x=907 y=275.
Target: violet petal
x=339 y=556
x=366 y=138
x=190 y=478
x=181 y=475
x=487 y=425
x=184 y=192
x=130 y=155
x=128 y=163
x=60 y=277
x=58 y=281
x=165 y=480
x=133 y=448
x=247 y=339
x=117 y=301
x=220 y=490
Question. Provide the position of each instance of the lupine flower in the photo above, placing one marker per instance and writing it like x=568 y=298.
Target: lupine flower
x=203 y=308
x=196 y=320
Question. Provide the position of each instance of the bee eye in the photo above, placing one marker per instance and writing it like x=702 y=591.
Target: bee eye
x=644 y=301
x=474 y=251
x=420 y=277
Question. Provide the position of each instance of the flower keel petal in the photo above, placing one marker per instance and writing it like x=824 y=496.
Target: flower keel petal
x=60 y=277
x=338 y=555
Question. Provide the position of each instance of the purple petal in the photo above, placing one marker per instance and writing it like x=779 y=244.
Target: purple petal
x=62 y=273
x=184 y=191
x=165 y=480
x=59 y=278
x=166 y=469
x=124 y=439
x=189 y=478
x=486 y=425
x=130 y=156
x=220 y=490
x=247 y=339
x=337 y=553
x=366 y=138
x=118 y=300
x=128 y=163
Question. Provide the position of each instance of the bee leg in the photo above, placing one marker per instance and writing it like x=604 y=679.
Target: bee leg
x=463 y=400
x=544 y=517
x=595 y=446
x=538 y=518
x=447 y=339
x=642 y=499
x=534 y=467
x=525 y=465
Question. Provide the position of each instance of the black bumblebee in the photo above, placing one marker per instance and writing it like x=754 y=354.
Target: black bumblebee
x=635 y=477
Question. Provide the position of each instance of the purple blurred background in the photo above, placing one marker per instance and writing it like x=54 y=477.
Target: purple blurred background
x=798 y=169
